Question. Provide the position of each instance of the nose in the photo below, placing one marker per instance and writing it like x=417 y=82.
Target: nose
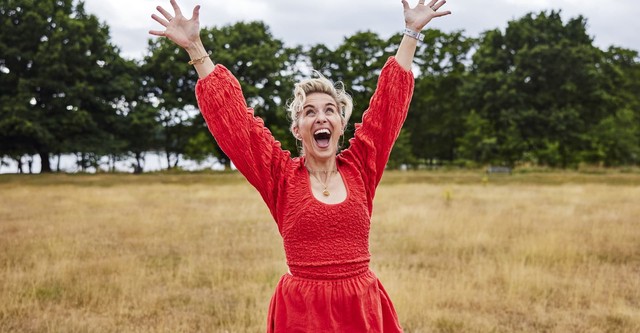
x=322 y=117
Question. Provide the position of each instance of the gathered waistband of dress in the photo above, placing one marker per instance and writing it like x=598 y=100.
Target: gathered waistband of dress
x=366 y=273
x=330 y=271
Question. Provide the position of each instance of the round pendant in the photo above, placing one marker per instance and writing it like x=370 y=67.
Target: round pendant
x=326 y=193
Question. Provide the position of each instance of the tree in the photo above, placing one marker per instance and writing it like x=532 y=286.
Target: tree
x=437 y=108
x=250 y=52
x=136 y=126
x=401 y=154
x=538 y=85
x=58 y=89
x=478 y=143
x=616 y=139
x=169 y=83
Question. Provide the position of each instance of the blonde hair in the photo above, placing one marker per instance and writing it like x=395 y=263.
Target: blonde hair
x=319 y=85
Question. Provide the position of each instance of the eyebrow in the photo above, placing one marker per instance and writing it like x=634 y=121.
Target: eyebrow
x=312 y=106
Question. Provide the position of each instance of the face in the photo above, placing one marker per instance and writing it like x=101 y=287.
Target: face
x=319 y=126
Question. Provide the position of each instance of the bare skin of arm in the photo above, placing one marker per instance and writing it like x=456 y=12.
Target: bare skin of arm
x=416 y=19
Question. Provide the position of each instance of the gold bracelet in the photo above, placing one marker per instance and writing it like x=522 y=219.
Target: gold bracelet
x=198 y=61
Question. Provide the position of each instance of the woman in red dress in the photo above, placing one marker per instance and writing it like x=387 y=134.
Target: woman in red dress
x=321 y=201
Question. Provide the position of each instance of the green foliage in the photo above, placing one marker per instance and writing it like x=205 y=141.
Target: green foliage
x=437 y=109
x=250 y=52
x=401 y=153
x=615 y=139
x=540 y=87
x=478 y=142
x=60 y=85
x=199 y=146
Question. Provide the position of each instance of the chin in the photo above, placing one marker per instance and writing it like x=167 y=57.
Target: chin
x=323 y=154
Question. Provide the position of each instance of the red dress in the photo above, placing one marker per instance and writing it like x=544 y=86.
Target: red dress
x=329 y=287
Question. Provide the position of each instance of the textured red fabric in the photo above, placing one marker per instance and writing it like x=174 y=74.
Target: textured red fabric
x=326 y=245
x=355 y=304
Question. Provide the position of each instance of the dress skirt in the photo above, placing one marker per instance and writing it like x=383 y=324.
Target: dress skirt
x=354 y=304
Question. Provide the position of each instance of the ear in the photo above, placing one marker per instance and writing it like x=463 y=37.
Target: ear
x=296 y=133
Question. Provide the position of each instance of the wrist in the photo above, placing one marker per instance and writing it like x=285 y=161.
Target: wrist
x=415 y=34
x=197 y=53
x=196 y=49
x=414 y=27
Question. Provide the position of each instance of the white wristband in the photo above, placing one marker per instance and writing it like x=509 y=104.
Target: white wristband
x=413 y=34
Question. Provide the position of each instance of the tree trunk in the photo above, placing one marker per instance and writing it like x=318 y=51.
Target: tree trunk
x=58 y=162
x=564 y=156
x=19 y=160
x=81 y=161
x=30 y=164
x=44 y=162
x=175 y=164
x=112 y=163
x=137 y=169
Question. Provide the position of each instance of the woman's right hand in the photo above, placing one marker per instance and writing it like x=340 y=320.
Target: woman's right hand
x=182 y=31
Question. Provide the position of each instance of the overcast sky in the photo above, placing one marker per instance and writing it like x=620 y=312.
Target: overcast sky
x=303 y=22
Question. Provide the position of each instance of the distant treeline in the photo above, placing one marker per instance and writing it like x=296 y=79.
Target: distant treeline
x=538 y=93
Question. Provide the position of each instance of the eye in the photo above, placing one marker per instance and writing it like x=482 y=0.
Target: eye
x=309 y=112
x=329 y=111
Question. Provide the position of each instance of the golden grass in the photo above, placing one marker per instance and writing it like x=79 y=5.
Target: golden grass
x=553 y=252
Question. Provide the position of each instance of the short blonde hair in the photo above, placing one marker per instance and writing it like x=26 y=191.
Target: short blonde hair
x=319 y=85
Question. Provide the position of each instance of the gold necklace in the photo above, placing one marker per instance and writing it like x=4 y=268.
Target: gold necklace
x=329 y=173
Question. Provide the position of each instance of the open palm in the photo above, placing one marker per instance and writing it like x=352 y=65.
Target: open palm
x=416 y=18
x=178 y=28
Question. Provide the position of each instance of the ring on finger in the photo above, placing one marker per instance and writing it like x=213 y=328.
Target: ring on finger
x=433 y=8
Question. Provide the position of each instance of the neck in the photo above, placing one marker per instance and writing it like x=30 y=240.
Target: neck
x=320 y=165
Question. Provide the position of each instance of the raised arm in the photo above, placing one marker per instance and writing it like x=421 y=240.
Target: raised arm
x=415 y=19
x=241 y=135
x=185 y=33
x=383 y=120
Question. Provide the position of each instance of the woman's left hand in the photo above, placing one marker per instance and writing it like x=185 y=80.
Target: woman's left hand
x=416 y=18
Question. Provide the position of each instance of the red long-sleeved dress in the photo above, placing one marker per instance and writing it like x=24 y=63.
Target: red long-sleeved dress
x=329 y=287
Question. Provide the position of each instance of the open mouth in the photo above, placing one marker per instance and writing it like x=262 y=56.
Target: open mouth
x=322 y=137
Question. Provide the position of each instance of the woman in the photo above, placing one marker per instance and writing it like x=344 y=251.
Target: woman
x=321 y=201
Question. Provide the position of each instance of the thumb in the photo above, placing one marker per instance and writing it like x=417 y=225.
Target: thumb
x=196 y=13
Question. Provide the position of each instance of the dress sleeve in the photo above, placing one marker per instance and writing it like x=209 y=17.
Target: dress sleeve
x=381 y=123
x=240 y=134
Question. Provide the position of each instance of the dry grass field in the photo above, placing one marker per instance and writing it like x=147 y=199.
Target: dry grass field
x=538 y=252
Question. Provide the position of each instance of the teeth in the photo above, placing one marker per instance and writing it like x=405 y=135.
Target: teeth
x=322 y=130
